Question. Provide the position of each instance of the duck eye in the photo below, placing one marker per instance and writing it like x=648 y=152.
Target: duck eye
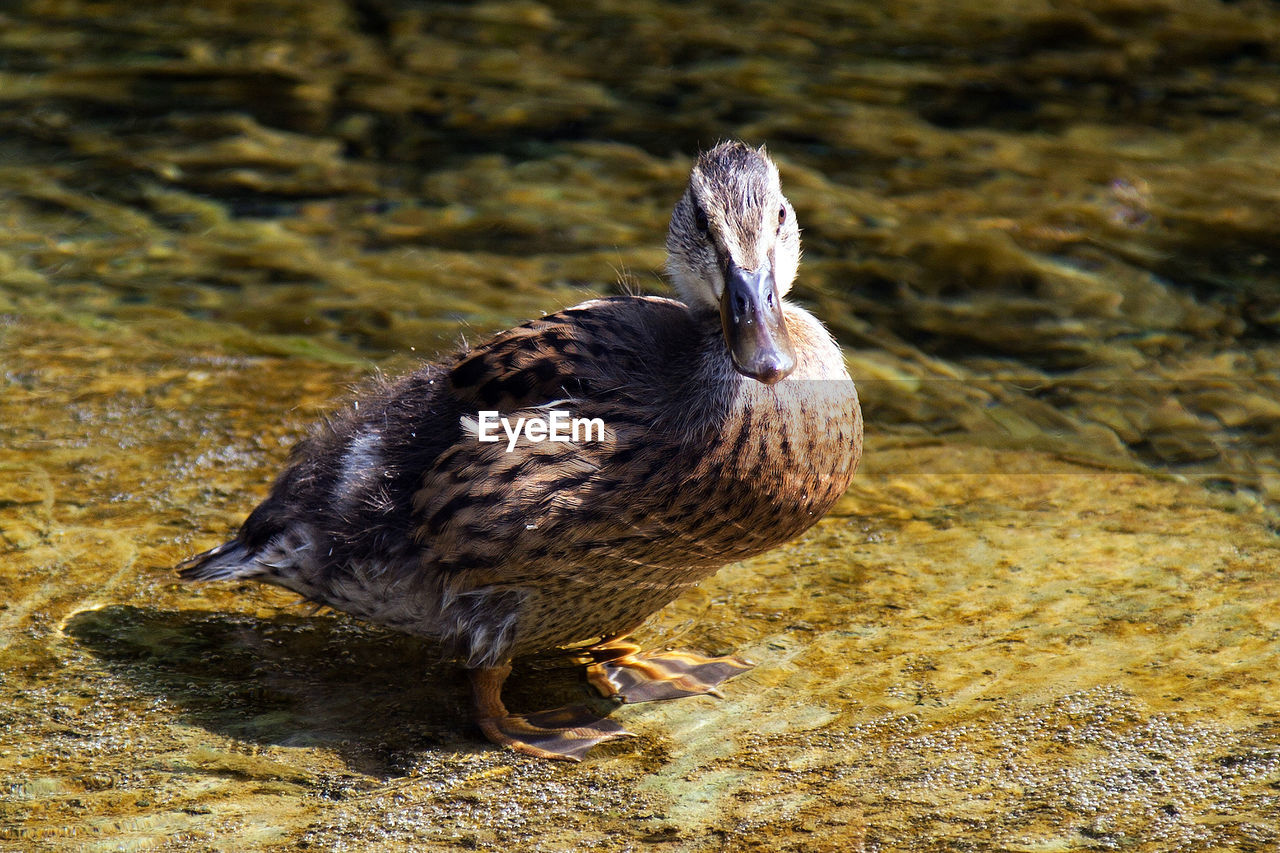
x=700 y=219
x=782 y=214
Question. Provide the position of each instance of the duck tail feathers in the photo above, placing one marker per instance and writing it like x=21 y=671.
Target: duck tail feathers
x=229 y=560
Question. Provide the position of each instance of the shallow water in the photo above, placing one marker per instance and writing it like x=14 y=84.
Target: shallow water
x=1043 y=618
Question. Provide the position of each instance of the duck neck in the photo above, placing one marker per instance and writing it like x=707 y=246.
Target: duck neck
x=716 y=390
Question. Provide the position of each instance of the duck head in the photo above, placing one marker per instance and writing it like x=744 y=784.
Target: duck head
x=734 y=246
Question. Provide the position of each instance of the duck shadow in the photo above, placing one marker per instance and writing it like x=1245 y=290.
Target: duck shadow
x=377 y=698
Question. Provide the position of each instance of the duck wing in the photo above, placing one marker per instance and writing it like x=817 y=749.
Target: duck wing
x=499 y=507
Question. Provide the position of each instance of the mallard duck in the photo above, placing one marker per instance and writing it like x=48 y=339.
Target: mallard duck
x=726 y=424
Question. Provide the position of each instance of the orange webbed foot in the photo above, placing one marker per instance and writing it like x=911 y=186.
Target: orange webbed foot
x=562 y=734
x=624 y=672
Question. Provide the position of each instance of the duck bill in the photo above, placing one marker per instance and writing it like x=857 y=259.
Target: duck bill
x=751 y=313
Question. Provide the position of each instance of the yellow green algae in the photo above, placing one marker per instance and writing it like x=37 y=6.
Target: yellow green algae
x=1044 y=618
x=1037 y=656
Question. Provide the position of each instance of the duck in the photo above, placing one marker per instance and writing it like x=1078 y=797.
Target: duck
x=719 y=425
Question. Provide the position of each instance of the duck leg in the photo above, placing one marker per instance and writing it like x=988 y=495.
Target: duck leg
x=621 y=670
x=564 y=733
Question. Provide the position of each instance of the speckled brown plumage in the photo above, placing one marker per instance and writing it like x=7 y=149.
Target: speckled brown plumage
x=396 y=512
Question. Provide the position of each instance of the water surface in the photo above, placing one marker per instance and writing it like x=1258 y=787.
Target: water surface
x=1043 y=618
